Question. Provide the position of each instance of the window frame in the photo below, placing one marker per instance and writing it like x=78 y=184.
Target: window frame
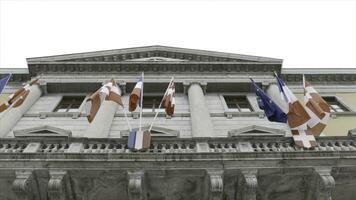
x=251 y=99
x=153 y=109
x=338 y=100
x=80 y=108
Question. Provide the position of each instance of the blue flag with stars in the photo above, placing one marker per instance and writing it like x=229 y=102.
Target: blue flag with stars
x=273 y=112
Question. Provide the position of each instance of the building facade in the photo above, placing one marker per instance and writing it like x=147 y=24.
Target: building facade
x=217 y=145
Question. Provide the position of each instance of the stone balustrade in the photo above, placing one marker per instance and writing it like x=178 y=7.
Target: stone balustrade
x=179 y=145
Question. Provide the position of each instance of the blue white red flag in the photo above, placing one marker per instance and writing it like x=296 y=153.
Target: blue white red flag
x=4 y=81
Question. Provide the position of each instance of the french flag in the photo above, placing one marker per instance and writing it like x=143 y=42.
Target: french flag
x=139 y=140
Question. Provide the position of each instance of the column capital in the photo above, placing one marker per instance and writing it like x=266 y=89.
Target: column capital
x=187 y=84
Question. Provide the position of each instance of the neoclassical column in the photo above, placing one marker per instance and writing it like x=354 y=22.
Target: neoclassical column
x=199 y=113
x=10 y=117
x=202 y=126
x=101 y=125
x=325 y=183
x=273 y=92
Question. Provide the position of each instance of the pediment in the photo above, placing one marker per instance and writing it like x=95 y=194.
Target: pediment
x=43 y=131
x=256 y=130
x=152 y=54
x=156 y=131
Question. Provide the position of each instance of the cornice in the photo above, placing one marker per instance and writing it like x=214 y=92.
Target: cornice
x=164 y=67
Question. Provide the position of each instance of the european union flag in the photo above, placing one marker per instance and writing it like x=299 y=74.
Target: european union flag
x=273 y=112
x=4 y=81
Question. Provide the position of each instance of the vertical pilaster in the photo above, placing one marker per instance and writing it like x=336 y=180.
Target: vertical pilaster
x=325 y=183
x=135 y=186
x=10 y=117
x=101 y=125
x=25 y=186
x=58 y=185
x=216 y=184
x=249 y=184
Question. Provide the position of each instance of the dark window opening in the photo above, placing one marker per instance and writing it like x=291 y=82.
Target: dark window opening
x=69 y=104
x=239 y=103
x=151 y=103
x=335 y=105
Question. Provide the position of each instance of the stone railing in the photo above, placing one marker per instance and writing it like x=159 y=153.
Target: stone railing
x=175 y=145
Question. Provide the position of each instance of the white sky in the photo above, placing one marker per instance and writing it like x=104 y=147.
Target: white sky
x=303 y=33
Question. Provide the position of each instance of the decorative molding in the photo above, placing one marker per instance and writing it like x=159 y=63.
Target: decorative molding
x=43 y=131
x=156 y=131
x=250 y=184
x=136 y=185
x=216 y=184
x=25 y=186
x=57 y=185
x=259 y=131
x=325 y=185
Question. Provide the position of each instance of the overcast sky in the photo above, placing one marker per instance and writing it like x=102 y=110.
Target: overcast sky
x=304 y=33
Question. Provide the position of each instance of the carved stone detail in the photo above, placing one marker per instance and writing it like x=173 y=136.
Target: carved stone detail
x=57 y=186
x=135 y=186
x=25 y=186
x=249 y=184
x=325 y=184
x=216 y=184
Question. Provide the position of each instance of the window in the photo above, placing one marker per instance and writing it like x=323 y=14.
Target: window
x=151 y=103
x=69 y=104
x=335 y=105
x=239 y=103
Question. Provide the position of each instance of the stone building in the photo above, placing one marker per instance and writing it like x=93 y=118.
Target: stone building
x=217 y=145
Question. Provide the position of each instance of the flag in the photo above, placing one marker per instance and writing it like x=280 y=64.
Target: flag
x=109 y=92
x=16 y=99
x=169 y=100
x=139 y=140
x=136 y=95
x=273 y=112
x=4 y=81
x=297 y=117
x=317 y=108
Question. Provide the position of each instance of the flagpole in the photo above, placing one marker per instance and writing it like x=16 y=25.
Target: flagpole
x=141 y=102
x=160 y=104
x=127 y=120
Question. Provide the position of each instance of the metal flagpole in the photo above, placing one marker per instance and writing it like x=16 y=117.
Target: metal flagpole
x=141 y=102
x=160 y=104
x=127 y=120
